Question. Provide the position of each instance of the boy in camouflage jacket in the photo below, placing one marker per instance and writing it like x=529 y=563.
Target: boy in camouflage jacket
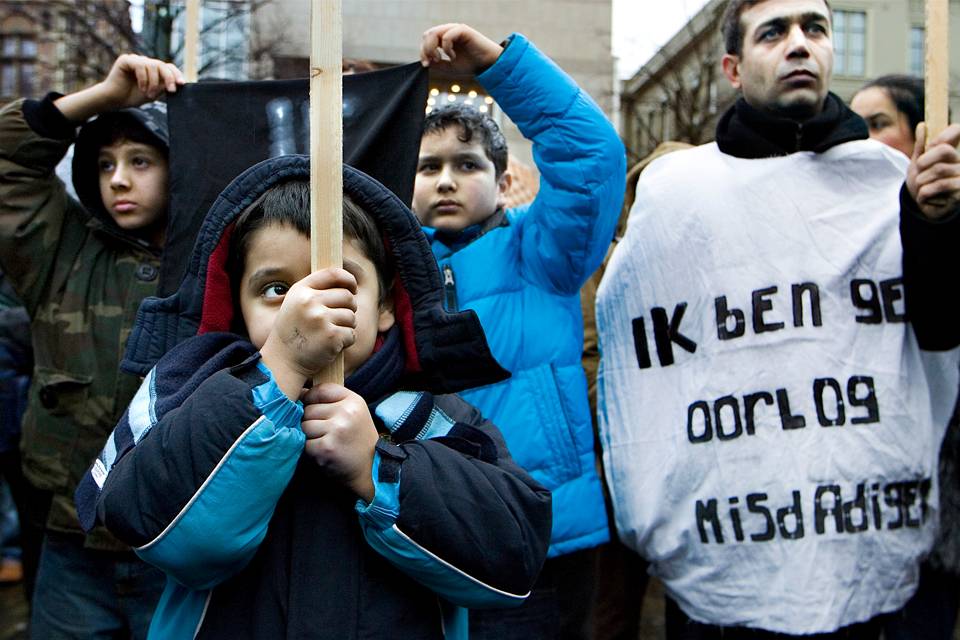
x=81 y=271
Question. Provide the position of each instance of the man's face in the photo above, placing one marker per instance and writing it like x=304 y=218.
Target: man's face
x=456 y=184
x=278 y=256
x=786 y=61
x=133 y=187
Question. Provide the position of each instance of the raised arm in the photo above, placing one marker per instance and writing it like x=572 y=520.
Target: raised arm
x=34 y=136
x=582 y=164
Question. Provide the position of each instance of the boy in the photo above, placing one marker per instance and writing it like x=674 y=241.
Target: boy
x=206 y=474
x=81 y=271
x=521 y=271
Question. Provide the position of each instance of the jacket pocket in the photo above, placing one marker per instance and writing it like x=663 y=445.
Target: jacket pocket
x=51 y=430
x=564 y=462
x=60 y=392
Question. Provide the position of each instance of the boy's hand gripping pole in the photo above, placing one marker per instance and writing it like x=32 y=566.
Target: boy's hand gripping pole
x=937 y=67
x=326 y=147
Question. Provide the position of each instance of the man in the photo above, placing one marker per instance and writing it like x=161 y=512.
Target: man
x=770 y=419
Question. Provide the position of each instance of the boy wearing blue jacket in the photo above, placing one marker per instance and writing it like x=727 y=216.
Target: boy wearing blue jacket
x=370 y=510
x=521 y=271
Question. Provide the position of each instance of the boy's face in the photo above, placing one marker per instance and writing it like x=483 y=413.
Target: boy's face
x=278 y=256
x=456 y=182
x=133 y=187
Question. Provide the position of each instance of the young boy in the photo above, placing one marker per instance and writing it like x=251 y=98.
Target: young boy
x=521 y=271
x=363 y=511
x=81 y=272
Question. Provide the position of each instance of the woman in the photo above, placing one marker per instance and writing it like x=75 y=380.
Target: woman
x=893 y=107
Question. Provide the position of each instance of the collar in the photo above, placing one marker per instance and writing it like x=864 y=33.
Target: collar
x=456 y=240
x=746 y=132
x=112 y=233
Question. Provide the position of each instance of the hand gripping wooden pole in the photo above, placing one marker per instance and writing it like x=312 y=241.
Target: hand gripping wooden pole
x=937 y=67
x=326 y=147
x=191 y=40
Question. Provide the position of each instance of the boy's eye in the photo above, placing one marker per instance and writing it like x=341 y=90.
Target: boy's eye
x=817 y=27
x=274 y=290
x=468 y=165
x=141 y=161
x=105 y=165
x=427 y=167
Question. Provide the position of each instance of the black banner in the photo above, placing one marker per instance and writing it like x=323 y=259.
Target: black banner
x=219 y=129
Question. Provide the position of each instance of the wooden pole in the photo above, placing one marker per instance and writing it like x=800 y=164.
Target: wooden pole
x=191 y=40
x=937 y=67
x=326 y=146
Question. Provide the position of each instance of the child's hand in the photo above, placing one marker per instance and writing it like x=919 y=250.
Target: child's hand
x=316 y=321
x=133 y=80
x=468 y=50
x=341 y=437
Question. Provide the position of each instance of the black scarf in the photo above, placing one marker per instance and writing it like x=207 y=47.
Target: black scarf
x=747 y=132
x=378 y=376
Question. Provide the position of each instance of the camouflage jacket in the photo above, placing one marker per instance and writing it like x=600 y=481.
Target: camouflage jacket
x=81 y=280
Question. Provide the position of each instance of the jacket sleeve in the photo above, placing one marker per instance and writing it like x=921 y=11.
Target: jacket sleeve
x=195 y=495
x=929 y=274
x=566 y=230
x=455 y=513
x=33 y=201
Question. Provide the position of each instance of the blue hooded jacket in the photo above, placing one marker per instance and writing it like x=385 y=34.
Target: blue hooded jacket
x=523 y=277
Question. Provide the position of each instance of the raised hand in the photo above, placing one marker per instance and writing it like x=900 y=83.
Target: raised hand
x=341 y=437
x=458 y=48
x=933 y=178
x=133 y=80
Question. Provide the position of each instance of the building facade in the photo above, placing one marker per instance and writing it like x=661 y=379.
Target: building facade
x=59 y=45
x=576 y=34
x=681 y=91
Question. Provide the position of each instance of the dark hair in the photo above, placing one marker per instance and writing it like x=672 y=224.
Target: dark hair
x=288 y=203
x=471 y=123
x=124 y=126
x=731 y=27
x=907 y=95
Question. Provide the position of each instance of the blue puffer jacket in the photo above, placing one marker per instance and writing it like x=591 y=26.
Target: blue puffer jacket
x=522 y=277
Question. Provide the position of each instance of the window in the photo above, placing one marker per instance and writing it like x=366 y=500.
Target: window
x=224 y=31
x=849 y=42
x=917 y=54
x=18 y=55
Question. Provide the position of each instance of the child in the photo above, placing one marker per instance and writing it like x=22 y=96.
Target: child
x=81 y=272
x=521 y=271
x=247 y=498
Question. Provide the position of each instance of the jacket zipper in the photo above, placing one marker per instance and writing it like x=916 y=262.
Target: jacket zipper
x=449 y=288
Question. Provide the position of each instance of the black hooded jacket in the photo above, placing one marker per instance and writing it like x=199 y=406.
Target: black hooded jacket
x=205 y=474
x=929 y=247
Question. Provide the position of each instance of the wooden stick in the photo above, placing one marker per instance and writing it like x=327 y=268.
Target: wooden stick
x=326 y=147
x=191 y=40
x=937 y=67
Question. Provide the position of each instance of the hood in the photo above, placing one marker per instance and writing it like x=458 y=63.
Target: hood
x=444 y=352
x=152 y=117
